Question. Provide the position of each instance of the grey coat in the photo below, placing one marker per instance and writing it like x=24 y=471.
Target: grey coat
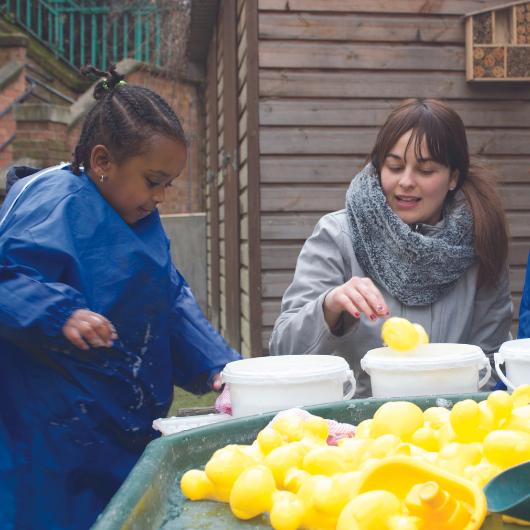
x=464 y=315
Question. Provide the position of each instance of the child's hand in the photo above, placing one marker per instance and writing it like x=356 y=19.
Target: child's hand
x=216 y=382
x=356 y=296
x=85 y=328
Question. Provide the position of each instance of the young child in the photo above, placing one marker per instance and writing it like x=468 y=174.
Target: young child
x=96 y=324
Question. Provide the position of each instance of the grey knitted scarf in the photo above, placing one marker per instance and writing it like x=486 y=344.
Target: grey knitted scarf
x=416 y=269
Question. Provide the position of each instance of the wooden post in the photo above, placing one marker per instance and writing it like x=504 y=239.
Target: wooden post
x=212 y=180
x=254 y=209
x=231 y=185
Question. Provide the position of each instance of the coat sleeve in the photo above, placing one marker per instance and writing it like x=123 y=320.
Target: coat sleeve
x=524 y=310
x=198 y=349
x=301 y=327
x=492 y=316
x=29 y=302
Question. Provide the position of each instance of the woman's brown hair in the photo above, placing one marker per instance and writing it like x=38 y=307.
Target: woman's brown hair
x=445 y=136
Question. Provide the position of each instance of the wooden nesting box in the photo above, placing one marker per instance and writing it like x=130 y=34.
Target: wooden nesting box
x=498 y=43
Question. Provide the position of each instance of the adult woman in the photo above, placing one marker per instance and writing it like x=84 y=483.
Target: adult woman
x=423 y=236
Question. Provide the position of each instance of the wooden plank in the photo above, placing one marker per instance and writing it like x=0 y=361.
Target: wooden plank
x=339 y=169
x=242 y=126
x=369 y=113
x=357 y=27
x=282 y=227
x=213 y=208
x=449 y=85
x=243 y=150
x=516 y=197
x=326 y=198
x=243 y=224
x=519 y=252
x=251 y=93
x=241 y=22
x=271 y=311
x=265 y=336
x=276 y=256
x=516 y=299
x=243 y=176
x=242 y=51
x=245 y=283
x=245 y=333
x=324 y=56
x=242 y=98
x=445 y=7
x=519 y=224
x=330 y=169
x=517 y=275
x=300 y=226
x=244 y=254
x=347 y=141
x=233 y=332
x=241 y=75
x=243 y=202
x=275 y=283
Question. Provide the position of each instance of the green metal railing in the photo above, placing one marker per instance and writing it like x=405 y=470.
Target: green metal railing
x=92 y=32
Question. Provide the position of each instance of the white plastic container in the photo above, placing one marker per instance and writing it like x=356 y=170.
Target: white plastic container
x=266 y=384
x=430 y=369
x=516 y=355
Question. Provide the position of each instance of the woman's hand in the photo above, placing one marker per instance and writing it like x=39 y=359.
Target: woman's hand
x=216 y=383
x=86 y=329
x=356 y=296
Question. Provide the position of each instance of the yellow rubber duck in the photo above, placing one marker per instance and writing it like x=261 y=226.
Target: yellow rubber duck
x=402 y=335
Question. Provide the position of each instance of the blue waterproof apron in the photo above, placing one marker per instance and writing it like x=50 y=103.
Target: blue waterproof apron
x=73 y=422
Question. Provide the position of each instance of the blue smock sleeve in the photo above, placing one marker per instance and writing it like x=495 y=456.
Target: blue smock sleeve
x=28 y=300
x=198 y=349
x=524 y=310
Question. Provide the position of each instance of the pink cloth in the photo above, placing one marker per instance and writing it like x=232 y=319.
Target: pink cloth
x=336 y=430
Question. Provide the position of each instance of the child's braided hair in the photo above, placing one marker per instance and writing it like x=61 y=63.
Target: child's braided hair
x=124 y=117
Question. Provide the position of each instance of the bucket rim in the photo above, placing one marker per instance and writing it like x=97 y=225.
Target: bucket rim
x=309 y=368
x=474 y=356
x=512 y=350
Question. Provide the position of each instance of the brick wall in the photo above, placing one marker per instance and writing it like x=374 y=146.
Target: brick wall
x=41 y=133
x=12 y=47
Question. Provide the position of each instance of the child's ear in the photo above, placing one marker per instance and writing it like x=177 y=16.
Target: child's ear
x=100 y=160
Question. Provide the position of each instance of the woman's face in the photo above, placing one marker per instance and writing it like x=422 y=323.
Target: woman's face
x=415 y=188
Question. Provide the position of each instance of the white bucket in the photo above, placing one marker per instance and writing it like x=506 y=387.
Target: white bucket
x=516 y=355
x=266 y=384
x=430 y=369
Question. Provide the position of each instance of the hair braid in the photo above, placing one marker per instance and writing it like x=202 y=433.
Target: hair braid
x=124 y=119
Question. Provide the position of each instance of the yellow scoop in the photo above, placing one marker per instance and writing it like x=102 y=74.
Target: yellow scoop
x=402 y=335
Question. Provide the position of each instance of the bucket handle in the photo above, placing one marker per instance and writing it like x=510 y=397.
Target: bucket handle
x=499 y=359
x=487 y=375
x=349 y=377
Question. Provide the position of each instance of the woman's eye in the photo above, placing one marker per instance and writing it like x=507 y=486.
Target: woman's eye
x=395 y=169
x=426 y=171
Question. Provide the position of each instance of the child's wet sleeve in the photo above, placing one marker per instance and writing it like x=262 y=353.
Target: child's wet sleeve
x=28 y=302
x=198 y=349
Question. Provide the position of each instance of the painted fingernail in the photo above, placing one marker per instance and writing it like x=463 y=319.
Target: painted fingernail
x=380 y=308
x=356 y=315
x=387 y=313
x=372 y=317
